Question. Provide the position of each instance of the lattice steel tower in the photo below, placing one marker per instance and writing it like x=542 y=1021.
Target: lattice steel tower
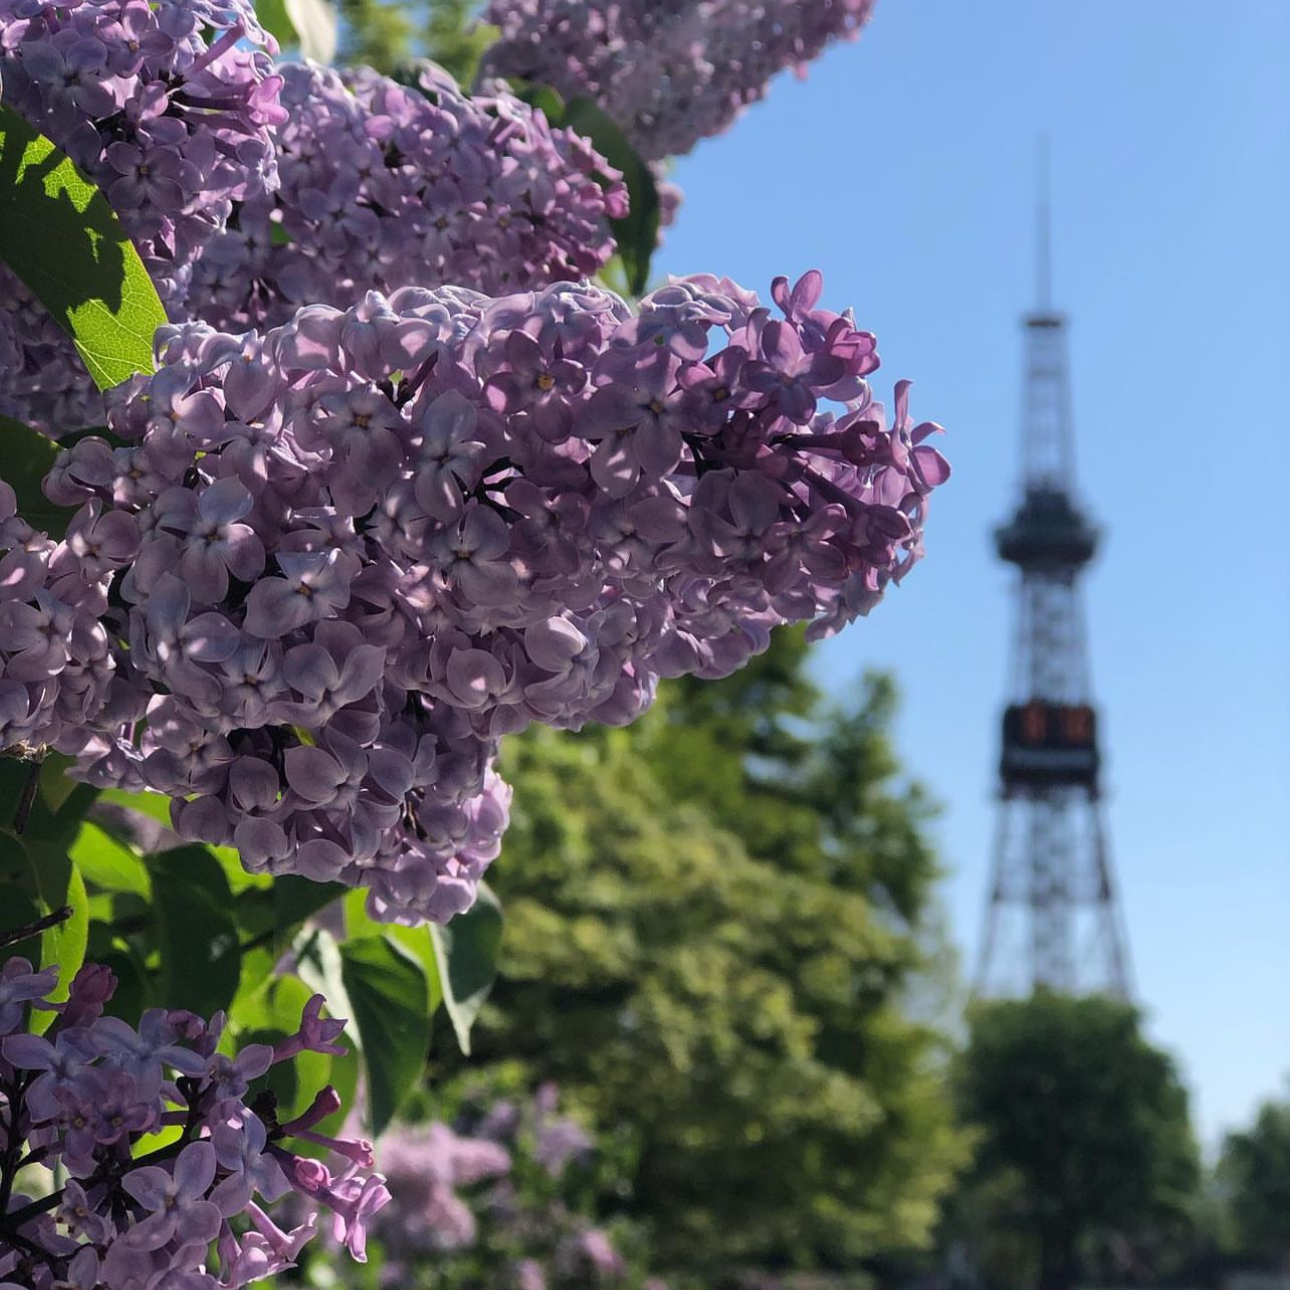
x=1052 y=918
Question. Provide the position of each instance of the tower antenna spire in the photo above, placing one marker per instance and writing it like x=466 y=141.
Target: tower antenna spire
x=1043 y=237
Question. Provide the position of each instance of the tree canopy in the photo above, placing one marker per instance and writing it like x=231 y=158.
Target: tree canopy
x=1254 y=1181
x=1084 y=1137
x=713 y=925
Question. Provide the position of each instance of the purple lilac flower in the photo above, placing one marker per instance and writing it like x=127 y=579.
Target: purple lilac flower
x=174 y=130
x=471 y=1184
x=384 y=186
x=669 y=73
x=127 y=1220
x=315 y=659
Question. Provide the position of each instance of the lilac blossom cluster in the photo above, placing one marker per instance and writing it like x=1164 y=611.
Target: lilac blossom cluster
x=669 y=72
x=169 y=111
x=424 y=1165
x=493 y=1184
x=55 y=657
x=373 y=541
x=89 y=1099
x=384 y=186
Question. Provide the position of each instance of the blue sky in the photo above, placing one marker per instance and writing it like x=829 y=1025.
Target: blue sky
x=904 y=169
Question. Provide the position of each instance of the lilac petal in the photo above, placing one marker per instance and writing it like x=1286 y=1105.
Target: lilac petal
x=117 y=535
x=225 y=501
x=150 y=1186
x=659 y=519
x=201 y=1222
x=313 y=773
x=29 y=1052
x=450 y=419
x=195 y=1170
x=485 y=533
x=610 y=408
x=260 y=842
x=321 y=860
x=274 y=608
x=204 y=573
x=253 y=1061
x=211 y=638
x=657 y=448
x=168 y=607
x=489 y=584
x=552 y=645
x=310 y=669
x=253 y=783
x=473 y=676
x=754 y=502
x=362 y=671
x=391 y=770
x=781 y=345
x=249 y=388
x=931 y=465
x=614 y=467
x=232 y=1196
x=244 y=552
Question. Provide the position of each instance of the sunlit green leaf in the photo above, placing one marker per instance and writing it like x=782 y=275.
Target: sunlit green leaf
x=61 y=238
x=390 y=1000
x=38 y=879
x=105 y=863
x=466 y=951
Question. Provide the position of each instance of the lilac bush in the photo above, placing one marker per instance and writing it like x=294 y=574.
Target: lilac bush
x=402 y=481
x=79 y=1107
x=491 y=1200
x=373 y=541
x=669 y=72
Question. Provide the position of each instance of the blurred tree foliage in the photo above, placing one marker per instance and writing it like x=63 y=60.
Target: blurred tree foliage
x=1086 y=1162
x=714 y=924
x=1253 y=1177
x=386 y=35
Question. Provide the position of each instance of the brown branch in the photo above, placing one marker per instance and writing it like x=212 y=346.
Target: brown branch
x=34 y=929
x=28 y=798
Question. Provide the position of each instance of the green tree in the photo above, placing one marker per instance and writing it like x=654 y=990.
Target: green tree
x=1084 y=1139
x=714 y=921
x=1253 y=1178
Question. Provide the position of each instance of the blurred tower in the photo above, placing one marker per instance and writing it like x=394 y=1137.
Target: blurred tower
x=1052 y=918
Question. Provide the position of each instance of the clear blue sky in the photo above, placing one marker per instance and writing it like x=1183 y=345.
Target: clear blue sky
x=904 y=169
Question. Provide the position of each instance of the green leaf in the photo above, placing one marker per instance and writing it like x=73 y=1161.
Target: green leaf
x=36 y=879
x=466 y=951
x=201 y=960
x=153 y=805
x=419 y=942
x=273 y=18
x=63 y=240
x=295 y=899
x=28 y=458
x=268 y=1016
x=391 y=1008
x=105 y=863
x=60 y=884
x=637 y=234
